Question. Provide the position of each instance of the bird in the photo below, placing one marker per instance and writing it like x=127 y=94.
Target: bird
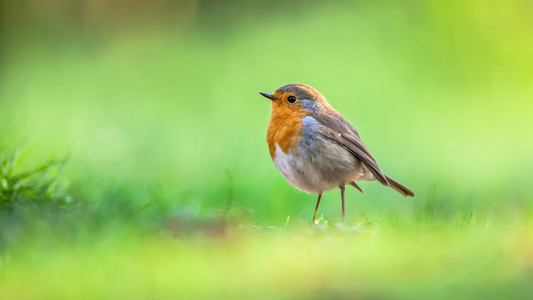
x=315 y=148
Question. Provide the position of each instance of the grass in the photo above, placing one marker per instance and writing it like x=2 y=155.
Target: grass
x=300 y=262
x=28 y=189
x=120 y=248
x=169 y=190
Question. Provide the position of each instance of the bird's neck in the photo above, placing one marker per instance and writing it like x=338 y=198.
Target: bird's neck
x=284 y=129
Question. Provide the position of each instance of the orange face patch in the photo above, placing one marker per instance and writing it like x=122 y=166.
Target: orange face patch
x=285 y=127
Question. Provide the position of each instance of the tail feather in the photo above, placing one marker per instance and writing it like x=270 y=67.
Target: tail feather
x=399 y=187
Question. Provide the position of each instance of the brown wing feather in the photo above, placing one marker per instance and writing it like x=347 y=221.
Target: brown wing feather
x=357 y=187
x=336 y=128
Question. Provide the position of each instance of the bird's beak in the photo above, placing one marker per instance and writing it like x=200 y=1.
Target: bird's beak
x=269 y=96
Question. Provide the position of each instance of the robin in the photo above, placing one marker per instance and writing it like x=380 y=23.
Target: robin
x=315 y=148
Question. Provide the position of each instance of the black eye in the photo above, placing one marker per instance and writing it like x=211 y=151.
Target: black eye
x=291 y=99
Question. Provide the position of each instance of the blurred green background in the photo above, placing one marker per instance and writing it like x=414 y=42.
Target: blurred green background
x=157 y=106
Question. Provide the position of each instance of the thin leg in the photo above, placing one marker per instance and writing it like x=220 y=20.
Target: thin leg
x=316 y=209
x=342 y=196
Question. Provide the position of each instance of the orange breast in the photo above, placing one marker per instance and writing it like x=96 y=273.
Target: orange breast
x=285 y=128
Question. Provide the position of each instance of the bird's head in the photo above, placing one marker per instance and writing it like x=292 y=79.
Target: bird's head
x=297 y=98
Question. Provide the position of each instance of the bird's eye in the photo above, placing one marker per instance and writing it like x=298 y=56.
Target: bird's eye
x=291 y=99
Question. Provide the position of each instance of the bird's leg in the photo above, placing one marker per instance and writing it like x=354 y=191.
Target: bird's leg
x=316 y=209
x=342 y=197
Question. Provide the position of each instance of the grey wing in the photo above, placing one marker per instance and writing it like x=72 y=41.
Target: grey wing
x=336 y=128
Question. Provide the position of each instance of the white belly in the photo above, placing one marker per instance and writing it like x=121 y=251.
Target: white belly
x=314 y=174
